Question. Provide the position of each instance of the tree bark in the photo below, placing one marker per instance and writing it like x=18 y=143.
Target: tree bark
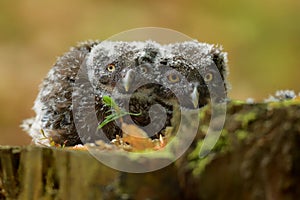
x=256 y=157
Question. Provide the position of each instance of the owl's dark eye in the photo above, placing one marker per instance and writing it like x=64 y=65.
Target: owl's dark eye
x=111 y=67
x=208 y=77
x=173 y=78
x=144 y=69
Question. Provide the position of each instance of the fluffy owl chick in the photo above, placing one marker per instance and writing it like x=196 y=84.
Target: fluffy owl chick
x=125 y=70
x=105 y=68
x=192 y=74
x=53 y=105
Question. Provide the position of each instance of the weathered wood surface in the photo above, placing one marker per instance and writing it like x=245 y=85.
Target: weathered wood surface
x=256 y=157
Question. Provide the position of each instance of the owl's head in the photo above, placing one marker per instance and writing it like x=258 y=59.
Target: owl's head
x=178 y=83
x=122 y=66
x=105 y=63
x=192 y=74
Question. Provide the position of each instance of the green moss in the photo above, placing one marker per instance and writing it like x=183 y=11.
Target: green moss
x=223 y=144
x=220 y=146
x=285 y=103
x=203 y=128
x=164 y=154
x=203 y=112
x=197 y=163
x=194 y=155
x=241 y=134
x=199 y=167
x=237 y=102
x=246 y=118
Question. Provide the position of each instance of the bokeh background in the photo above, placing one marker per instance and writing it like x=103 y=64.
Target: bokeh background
x=261 y=38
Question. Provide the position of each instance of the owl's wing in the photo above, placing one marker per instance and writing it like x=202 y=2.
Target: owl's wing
x=53 y=106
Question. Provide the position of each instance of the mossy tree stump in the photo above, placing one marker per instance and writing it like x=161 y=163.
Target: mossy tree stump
x=257 y=157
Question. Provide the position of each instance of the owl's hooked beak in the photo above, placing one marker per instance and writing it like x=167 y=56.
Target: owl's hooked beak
x=127 y=80
x=195 y=97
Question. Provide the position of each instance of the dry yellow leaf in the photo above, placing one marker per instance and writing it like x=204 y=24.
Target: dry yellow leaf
x=136 y=137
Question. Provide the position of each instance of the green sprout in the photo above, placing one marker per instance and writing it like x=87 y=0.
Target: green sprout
x=116 y=111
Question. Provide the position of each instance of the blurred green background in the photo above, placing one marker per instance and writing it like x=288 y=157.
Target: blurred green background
x=261 y=38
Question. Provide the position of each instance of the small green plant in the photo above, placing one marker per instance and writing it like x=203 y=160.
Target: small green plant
x=116 y=112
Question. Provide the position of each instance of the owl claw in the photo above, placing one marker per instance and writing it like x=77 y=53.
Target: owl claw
x=195 y=97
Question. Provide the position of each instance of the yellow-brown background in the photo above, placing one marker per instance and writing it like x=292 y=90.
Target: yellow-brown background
x=261 y=38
